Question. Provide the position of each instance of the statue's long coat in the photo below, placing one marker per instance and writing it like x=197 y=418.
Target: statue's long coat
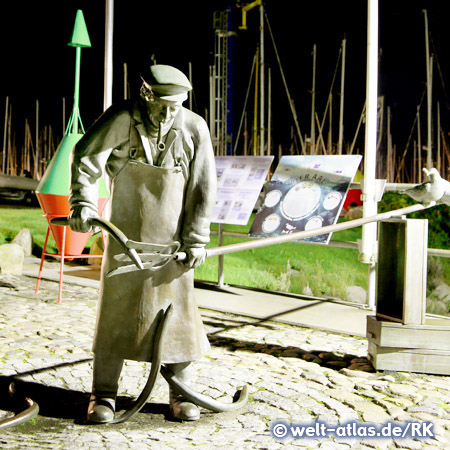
x=168 y=199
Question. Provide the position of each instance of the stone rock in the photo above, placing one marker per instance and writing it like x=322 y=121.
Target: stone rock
x=403 y=390
x=307 y=291
x=24 y=238
x=336 y=364
x=9 y=281
x=329 y=356
x=354 y=213
x=310 y=357
x=292 y=353
x=442 y=291
x=363 y=367
x=11 y=259
x=355 y=373
x=356 y=294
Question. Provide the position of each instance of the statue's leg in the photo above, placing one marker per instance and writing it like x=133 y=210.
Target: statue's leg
x=180 y=407
x=105 y=383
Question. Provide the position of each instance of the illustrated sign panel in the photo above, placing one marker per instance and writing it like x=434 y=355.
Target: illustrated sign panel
x=240 y=180
x=305 y=193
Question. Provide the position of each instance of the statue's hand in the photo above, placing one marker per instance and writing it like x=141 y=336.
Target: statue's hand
x=79 y=217
x=195 y=257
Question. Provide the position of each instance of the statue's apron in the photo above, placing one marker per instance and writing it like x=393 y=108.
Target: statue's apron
x=147 y=205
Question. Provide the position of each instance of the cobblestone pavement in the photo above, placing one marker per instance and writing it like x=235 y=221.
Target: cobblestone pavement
x=293 y=373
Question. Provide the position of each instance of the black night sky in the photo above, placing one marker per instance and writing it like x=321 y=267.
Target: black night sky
x=38 y=64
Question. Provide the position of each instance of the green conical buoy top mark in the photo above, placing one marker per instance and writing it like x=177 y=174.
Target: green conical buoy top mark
x=57 y=176
x=80 y=35
x=80 y=38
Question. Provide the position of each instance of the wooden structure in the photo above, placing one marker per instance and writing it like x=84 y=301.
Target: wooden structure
x=410 y=348
x=401 y=337
x=402 y=270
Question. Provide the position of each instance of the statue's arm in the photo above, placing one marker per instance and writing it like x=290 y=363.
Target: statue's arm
x=200 y=193
x=88 y=161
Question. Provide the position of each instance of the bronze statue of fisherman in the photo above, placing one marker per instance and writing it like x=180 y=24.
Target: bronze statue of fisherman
x=159 y=158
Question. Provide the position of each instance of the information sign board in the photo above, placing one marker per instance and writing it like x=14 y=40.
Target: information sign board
x=305 y=192
x=240 y=180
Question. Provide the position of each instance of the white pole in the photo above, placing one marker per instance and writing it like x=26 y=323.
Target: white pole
x=269 y=112
x=190 y=80
x=428 y=66
x=36 y=155
x=341 y=108
x=125 y=81
x=108 y=76
x=313 y=104
x=419 y=146
x=389 y=169
x=438 y=137
x=4 y=135
x=64 y=116
x=261 y=80
x=369 y=231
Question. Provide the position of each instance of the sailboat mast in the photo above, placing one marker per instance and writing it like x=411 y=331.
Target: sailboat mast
x=429 y=98
x=261 y=81
x=313 y=103
x=341 y=106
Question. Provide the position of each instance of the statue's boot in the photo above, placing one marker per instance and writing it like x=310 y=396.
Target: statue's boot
x=101 y=409
x=102 y=403
x=180 y=407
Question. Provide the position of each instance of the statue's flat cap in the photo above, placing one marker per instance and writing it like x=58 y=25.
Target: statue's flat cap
x=167 y=82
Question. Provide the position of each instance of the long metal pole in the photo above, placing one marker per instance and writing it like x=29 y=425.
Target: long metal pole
x=313 y=103
x=108 y=76
x=269 y=111
x=36 y=155
x=261 y=83
x=341 y=106
x=76 y=95
x=63 y=116
x=125 y=81
x=419 y=146
x=429 y=98
x=255 y=111
x=211 y=103
x=438 y=137
x=389 y=171
x=369 y=231
x=4 y=135
x=221 y=264
x=274 y=240
x=190 y=80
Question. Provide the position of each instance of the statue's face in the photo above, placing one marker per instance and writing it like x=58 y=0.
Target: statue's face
x=162 y=110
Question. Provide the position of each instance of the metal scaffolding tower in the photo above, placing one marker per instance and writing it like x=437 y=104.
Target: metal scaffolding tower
x=219 y=85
